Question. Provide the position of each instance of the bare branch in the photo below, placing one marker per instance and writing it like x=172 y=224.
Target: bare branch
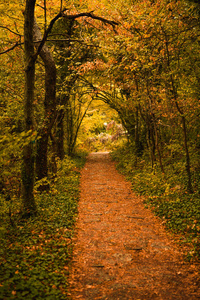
x=11 y=48
x=65 y=40
x=91 y=15
x=73 y=41
x=61 y=5
x=17 y=44
x=45 y=15
x=47 y=32
x=4 y=27
x=40 y=5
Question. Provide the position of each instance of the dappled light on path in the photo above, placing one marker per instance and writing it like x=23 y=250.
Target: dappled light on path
x=121 y=249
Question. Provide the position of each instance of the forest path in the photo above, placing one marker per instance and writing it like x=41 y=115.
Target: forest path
x=122 y=250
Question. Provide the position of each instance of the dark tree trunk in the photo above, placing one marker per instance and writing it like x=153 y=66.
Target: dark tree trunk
x=157 y=145
x=138 y=142
x=41 y=159
x=50 y=109
x=151 y=141
x=28 y=202
x=60 y=152
x=173 y=91
x=187 y=155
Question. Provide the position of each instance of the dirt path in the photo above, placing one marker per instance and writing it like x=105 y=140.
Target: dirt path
x=122 y=250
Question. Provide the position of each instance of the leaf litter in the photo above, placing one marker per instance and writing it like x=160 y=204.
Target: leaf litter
x=122 y=250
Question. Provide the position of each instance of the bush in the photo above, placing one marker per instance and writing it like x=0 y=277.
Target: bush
x=166 y=195
x=36 y=253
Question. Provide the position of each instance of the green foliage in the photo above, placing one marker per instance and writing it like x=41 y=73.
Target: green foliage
x=35 y=253
x=147 y=70
x=166 y=195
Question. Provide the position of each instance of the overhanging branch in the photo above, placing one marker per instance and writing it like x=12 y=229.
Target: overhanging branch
x=91 y=15
x=48 y=30
x=70 y=17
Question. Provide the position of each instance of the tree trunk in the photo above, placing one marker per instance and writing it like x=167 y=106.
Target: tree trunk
x=173 y=90
x=187 y=155
x=64 y=101
x=27 y=175
x=60 y=152
x=151 y=141
x=157 y=144
x=49 y=106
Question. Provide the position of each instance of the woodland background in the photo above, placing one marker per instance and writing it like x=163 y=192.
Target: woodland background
x=80 y=76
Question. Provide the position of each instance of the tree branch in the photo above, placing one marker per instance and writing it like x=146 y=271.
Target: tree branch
x=61 y=14
x=4 y=27
x=93 y=16
x=40 y=6
x=47 y=32
x=72 y=17
x=11 y=48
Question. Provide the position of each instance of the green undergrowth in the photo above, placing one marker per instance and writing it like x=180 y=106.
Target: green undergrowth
x=35 y=253
x=166 y=195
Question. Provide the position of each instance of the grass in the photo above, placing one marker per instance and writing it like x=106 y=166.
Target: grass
x=166 y=195
x=35 y=253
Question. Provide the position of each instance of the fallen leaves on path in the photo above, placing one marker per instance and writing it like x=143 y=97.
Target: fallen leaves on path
x=121 y=250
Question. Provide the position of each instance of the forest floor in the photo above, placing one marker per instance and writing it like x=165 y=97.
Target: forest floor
x=122 y=251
